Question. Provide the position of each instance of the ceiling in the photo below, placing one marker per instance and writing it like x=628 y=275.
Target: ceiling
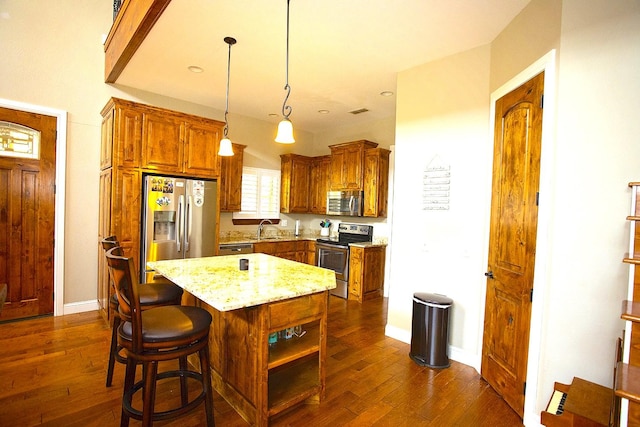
x=342 y=54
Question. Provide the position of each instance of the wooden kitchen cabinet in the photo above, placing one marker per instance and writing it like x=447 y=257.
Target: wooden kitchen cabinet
x=118 y=214
x=347 y=164
x=260 y=380
x=182 y=144
x=135 y=139
x=319 y=184
x=294 y=250
x=376 y=182
x=311 y=252
x=366 y=272
x=121 y=141
x=230 y=183
x=294 y=183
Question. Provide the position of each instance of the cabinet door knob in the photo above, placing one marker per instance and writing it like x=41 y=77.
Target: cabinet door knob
x=489 y=274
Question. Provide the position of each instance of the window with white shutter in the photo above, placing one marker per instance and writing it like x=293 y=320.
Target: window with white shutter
x=260 y=194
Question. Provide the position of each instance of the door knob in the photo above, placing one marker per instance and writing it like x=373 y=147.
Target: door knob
x=489 y=274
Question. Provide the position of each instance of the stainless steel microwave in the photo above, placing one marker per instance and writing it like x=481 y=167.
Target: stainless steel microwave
x=345 y=202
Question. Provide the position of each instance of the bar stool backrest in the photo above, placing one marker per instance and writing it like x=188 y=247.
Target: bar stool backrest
x=122 y=271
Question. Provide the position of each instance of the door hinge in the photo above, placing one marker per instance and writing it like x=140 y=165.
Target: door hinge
x=542 y=101
x=537 y=198
x=524 y=388
x=531 y=295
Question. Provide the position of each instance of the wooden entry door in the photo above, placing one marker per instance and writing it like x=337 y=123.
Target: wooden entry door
x=512 y=241
x=27 y=197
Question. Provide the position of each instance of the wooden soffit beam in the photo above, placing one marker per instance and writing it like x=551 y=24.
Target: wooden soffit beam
x=134 y=21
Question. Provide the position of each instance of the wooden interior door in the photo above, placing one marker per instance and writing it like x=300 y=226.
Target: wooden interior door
x=512 y=242
x=27 y=197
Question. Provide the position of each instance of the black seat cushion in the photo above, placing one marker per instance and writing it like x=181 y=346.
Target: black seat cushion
x=155 y=294
x=170 y=323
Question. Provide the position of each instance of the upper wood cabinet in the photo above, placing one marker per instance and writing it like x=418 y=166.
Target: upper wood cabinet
x=319 y=184
x=181 y=144
x=230 y=182
x=121 y=142
x=376 y=182
x=357 y=165
x=164 y=141
x=294 y=183
x=347 y=164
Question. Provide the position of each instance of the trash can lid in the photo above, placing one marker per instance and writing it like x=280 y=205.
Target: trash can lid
x=432 y=299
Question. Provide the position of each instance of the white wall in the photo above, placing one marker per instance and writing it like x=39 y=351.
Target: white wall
x=443 y=108
x=442 y=117
x=597 y=155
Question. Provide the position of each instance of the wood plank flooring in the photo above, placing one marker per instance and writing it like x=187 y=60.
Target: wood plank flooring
x=52 y=373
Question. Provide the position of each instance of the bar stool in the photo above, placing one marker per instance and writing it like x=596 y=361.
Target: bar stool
x=154 y=294
x=155 y=335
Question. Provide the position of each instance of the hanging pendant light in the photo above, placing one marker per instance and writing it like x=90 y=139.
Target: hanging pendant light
x=285 y=128
x=225 y=143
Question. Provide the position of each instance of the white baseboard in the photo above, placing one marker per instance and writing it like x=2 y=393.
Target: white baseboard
x=80 y=307
x=398 y=333
x=454 y=353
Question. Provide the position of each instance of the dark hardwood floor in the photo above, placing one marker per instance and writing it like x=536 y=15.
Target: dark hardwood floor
x=52 y=372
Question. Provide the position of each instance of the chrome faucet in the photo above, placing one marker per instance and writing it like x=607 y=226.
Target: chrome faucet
x=261 y=226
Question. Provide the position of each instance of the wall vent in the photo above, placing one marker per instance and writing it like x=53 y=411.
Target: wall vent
x=359 y=111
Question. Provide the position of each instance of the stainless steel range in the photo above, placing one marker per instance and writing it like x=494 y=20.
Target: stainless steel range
x=334 y=253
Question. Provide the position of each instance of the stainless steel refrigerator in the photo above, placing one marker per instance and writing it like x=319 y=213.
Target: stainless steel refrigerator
x=178 y=220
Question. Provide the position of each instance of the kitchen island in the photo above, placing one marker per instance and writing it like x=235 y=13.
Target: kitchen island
x=274 y=297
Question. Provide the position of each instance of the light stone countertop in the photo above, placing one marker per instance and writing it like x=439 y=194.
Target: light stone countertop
x=240 y=240
x=219 y=282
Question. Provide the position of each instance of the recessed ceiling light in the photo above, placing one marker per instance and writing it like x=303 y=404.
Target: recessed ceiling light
x=386 y=93
x=323 y=111
x=195 y=69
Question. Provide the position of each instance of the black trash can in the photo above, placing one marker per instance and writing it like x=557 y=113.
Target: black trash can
x=430 y=329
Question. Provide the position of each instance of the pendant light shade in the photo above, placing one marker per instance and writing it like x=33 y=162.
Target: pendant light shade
x=225 y=147
x=225 y=143
x=285 y=128
x=285 y=132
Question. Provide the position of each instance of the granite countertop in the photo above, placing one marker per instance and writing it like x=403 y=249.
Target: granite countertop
x=219 y=282
x=369 y=244
x=240 y=240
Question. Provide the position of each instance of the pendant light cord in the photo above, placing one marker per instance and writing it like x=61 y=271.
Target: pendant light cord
x=286 y=109
x=230 y=41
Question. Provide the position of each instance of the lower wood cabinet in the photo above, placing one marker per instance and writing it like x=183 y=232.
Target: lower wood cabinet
x=294 y=250
x=260 y=378
x=366 y=272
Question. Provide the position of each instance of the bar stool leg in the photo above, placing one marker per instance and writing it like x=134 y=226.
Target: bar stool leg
x=149 y=392
x=113 y=350
x=129 y=379
x=205 y=369
x=184 y=387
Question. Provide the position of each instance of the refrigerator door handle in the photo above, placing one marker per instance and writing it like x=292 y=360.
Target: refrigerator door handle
x=180 y=222
x=188 y=220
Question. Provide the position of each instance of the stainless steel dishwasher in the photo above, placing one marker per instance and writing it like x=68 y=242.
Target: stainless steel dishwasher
x=235 y=248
